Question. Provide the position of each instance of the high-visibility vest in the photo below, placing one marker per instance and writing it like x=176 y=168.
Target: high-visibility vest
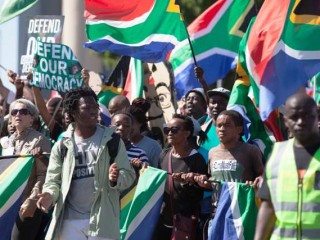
x=296 y=202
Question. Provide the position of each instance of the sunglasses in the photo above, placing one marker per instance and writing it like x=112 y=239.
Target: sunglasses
x=22 y=111
x=173 y=130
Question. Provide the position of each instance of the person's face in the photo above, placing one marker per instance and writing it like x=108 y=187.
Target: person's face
x=301 y=120
x=176 y=134
x=20 y=117
x=195 y=105
x=227 y=131
x=11 y=128
x=86 y=114
x=217 y=104
x=123 y=124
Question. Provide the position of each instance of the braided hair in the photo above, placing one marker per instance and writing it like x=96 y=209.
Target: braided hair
x=72 y=97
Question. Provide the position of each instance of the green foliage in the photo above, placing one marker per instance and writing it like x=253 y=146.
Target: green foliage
x=191 y=9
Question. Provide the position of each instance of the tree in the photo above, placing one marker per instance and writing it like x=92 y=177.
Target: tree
x=192 y=9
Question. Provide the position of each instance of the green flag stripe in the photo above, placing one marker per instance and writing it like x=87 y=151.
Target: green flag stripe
x=248 y=209
x=293 y=33
x=150 y=181
x=12 y=182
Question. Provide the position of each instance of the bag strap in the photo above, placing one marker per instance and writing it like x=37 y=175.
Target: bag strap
x=171 y=192
x=63 y=149
x=113 y=146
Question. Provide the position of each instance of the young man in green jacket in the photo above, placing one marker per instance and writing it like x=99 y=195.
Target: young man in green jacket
x=81 y=182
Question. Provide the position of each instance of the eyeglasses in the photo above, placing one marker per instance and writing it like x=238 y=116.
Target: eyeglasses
x=22 y=111
x=173 y=130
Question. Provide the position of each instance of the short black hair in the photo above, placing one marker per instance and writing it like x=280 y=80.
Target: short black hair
x=71 y=99
x=187 y=123
x=235 y=116
x=124 y=112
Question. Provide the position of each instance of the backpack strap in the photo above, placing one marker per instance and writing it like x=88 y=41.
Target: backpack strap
x=113 y=146
x=63 y=149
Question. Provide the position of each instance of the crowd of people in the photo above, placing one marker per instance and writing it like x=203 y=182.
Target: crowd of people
x=82 y=167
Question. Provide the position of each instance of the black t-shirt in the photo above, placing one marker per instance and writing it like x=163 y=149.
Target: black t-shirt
x=187 y=197
x=302 y=157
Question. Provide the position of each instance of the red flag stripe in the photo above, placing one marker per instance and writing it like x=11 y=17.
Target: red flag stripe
x=265 y=34
x=208 y=16
x=117 y=10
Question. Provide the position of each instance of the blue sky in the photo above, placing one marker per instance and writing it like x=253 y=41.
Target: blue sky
x=9 y=43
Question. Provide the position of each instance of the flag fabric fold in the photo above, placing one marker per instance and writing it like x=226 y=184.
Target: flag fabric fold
x=245 y=99
x=126 y=79
x=215 y=37
x=255 y=130
x=140 y=208
x=12 y=8
x=150 y=30
x=14 y=175
x=282 y=51
x=236 y=213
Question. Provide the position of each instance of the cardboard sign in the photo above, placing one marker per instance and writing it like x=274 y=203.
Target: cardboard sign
x=55 y=67
x=44 y=29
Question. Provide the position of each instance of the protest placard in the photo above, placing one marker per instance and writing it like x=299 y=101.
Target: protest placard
x=45 y=28
x=55 y=67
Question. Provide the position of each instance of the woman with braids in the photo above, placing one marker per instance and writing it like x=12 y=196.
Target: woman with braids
x=81 y=182
x=183 y=163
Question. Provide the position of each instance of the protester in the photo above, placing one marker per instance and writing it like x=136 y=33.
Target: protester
x=26 y=140
x=149 y=145
x=290 y=189
x=196 y=105
x=184 y=162
x=118 y=103
x=82 y=183
x=156 y=132
x=232 y=160
x=123 y=122
x=144 y=105
x=217 y=102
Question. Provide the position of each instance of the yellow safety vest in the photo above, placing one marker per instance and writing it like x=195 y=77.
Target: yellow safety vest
x=296 y=202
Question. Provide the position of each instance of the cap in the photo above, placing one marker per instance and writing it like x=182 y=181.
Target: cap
x=200 y=91
x=219 y=91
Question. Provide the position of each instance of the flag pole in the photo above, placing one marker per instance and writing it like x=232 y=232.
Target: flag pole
x=3 y=67
x=189 y=40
